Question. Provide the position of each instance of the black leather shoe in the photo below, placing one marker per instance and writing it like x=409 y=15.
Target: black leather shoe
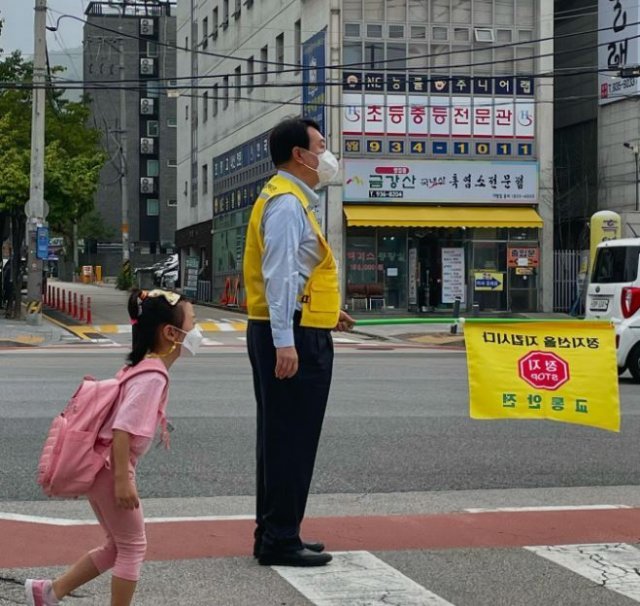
x=302 y=557
x=316 y=547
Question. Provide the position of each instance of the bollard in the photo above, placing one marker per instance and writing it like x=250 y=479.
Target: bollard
x=63 y=301
x=456 y=314
x=69 y=303
x=89 y=320
x=75 y=305
x=57 y=305
x=81 y=318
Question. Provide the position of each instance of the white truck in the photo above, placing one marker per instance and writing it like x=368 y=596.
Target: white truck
x=614 y=293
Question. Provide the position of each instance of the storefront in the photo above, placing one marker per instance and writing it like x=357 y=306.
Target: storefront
x=424 y=257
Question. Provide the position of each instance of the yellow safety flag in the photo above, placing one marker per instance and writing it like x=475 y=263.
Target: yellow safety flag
x=562 y=371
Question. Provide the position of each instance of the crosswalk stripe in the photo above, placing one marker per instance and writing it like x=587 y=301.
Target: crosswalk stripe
x=358 y=578
x=613 y=566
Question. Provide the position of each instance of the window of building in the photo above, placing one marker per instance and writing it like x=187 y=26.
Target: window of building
x=397 y=11
x=205 y=32
x=186 y=43
x=483 y=12
x=236 y=12
x=250 y=74
x=186 y=111
x=172 y=123
x=352 y=10
x=374 y=10
x=440 y=33
x=152 y=49
x=205 y=106
x=153 y=89
x=418 y=32
x=264 y=65
x=352 y=52
x=484 y=35
x=225 y=14
x=153 y=207
x=374 y=30
x=153 y=128
x=461 y=11
x=225 y=92
x=237 y=73
x=396 y=31
x=172 y=163
x=172 y=202
x=461 y=34
x=205 y=178
x=215 y=22
x=418 y=11
x=503 y=35
x=504 y=12
x=440 y=11
x=280 y=52
x=374 y=54
x=153 y=168
x=396 y=56
x=216 y=99
x=351 y=30
x=297 y=44
x=525 y=35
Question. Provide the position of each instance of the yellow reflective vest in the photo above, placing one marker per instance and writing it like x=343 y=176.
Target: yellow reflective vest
x=321 y=296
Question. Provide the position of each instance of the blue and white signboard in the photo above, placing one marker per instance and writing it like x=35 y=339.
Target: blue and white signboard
x=314 y=90
x=42 y=243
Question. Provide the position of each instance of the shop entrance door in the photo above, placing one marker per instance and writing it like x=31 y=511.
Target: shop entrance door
x=430 y=264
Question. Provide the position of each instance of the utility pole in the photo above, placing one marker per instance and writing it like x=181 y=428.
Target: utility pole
x=123 y=152
x=635 y=149
x=36 y=208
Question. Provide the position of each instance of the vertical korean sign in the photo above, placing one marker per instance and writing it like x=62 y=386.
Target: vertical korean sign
x=561 y=371
x=618 y=46
x=313 y=78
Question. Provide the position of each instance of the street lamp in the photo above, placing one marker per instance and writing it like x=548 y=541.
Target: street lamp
x=636 y=152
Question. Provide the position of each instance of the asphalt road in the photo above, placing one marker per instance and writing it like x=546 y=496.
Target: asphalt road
x=396 y=422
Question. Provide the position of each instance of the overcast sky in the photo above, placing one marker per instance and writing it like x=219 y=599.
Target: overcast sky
x=17 y=32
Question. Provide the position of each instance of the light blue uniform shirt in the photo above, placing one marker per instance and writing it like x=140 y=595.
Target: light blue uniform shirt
x=291 y=252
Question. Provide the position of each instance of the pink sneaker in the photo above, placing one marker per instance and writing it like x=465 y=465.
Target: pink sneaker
x=39 y=593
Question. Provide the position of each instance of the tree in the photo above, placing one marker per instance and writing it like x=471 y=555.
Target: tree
x=73 y=156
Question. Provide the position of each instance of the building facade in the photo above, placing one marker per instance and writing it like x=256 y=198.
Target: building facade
x=132 y=46
x=440 y=112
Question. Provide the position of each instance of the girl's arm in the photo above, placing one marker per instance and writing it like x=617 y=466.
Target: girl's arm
x=125 y=488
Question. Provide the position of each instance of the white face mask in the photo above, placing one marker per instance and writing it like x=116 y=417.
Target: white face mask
x=191 y=342
x=328 y=168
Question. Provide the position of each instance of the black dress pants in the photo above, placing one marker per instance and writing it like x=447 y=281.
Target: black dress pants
x=290 y=413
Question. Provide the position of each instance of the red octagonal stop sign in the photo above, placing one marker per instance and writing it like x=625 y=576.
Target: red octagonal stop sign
x=543 y=370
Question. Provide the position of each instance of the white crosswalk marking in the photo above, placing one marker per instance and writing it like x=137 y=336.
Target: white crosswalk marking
x=358 y=578
x=614 y=566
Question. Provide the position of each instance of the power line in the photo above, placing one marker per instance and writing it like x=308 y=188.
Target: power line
x=351 y=66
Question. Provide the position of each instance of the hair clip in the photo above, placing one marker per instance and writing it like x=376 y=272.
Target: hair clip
x=134 y=321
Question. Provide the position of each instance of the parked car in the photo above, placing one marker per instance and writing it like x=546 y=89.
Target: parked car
x=166 y=276
x=614 y=293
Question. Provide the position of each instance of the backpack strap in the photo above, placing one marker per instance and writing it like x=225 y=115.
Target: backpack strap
x=142 y=367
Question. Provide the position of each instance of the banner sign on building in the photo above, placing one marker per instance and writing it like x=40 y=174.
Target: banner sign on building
x=411 y=181
x=562 y=371
x=240 y=174
x=314 y=90
x=618 y=46
x=411 y=114
x=453 y=275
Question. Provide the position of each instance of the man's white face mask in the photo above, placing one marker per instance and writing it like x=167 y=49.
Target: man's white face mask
x=328 y=168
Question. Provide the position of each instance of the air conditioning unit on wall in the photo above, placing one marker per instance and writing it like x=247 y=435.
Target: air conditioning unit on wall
x=147 y=106
x=146 y=27
x=147 y=66
x=147 y=145
x=147 y=185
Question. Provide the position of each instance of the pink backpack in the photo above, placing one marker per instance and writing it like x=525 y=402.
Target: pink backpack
x=72 y=457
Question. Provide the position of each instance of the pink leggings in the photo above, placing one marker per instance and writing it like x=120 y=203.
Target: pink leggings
x=126 y=543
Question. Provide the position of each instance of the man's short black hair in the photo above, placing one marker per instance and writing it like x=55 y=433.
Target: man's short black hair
x=290 y=133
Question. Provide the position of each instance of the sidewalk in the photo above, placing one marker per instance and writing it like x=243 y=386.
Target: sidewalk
x=17 y=333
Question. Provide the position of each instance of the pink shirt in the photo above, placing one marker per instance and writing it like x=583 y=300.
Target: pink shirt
x=140 y=411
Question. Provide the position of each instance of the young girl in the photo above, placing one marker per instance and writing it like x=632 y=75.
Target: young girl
x=163 y=328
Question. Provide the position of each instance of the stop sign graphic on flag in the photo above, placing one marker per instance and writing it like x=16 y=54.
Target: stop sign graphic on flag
x=543 y=370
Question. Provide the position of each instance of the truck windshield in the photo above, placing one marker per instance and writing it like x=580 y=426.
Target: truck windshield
x=616 y=264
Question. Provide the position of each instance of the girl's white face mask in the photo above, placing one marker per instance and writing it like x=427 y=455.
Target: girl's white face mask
x=191 y=342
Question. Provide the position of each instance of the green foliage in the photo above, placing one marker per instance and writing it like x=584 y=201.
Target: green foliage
x=93 y=227
x=73 y=154
x=125 y=277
